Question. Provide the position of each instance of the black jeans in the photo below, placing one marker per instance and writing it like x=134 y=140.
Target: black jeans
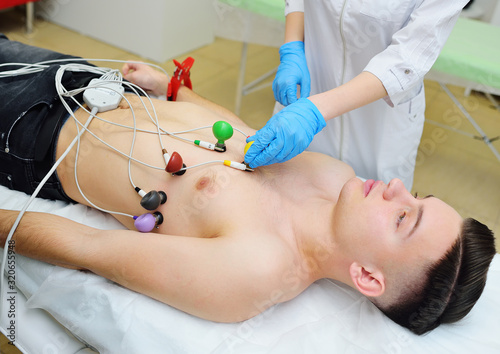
x=31 y=116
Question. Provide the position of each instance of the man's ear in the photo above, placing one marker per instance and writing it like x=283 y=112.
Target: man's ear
x=369 y=282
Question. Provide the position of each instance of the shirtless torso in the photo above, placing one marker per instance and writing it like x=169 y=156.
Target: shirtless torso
x=201 y=202
x=261 y=220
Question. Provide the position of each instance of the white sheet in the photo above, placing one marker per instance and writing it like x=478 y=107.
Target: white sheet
x=327 y=317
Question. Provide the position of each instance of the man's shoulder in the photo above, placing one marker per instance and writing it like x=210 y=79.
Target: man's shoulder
x=276 y=269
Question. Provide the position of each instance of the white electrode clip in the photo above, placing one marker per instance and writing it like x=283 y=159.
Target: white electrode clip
x=103 y=94
x=238 y=165
x=204 y=144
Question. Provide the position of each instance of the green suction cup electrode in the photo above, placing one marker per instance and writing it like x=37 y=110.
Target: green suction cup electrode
x=222 y=131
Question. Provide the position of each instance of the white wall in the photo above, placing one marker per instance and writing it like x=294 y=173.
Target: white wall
x=155 y=29
x=488 y=7
x=495 y=18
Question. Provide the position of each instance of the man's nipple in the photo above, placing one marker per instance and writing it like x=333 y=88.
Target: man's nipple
x=203 y=183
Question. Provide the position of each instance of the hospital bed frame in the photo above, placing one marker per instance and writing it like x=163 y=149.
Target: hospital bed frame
x=251 y=21
x=470 y=60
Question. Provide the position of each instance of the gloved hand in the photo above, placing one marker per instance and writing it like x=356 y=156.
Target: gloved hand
x=292 y=71
x=286 y=134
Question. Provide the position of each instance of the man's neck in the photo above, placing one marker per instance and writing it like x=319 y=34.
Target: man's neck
x=307 y=193
x=315 y=236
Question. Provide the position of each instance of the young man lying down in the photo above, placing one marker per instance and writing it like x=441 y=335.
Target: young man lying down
x=226 y=244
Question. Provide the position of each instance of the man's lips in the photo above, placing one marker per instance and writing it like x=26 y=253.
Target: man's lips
x=369 y=185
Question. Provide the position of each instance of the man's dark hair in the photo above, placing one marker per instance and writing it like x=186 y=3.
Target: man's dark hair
x=451 y=286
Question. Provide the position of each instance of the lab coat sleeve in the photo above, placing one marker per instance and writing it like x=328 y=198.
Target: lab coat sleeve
x=414 y=48
x=294 y=6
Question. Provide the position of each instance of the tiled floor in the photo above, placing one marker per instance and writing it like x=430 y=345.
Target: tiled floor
x=460 y=170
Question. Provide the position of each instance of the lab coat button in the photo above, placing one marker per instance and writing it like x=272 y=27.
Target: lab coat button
x=407 y=71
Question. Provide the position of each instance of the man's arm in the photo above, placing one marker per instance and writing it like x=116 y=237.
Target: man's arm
x=212 y=278
x=33 y=239
x=186 y=95
x=156 y=82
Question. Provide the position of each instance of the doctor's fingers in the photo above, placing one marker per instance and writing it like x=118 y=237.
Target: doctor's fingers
x=285 y=90
x=290 y=94
x=269 y=155
x=276 y=88
x=263 y=150
x=260 y=142
x=305 y=87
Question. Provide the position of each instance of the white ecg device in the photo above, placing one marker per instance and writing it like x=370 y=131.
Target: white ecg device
x=105 y=95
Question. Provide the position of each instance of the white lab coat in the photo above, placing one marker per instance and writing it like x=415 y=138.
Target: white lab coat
x=397 y=41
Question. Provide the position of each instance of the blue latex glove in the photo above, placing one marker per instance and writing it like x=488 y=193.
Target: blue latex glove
x=292 y=71
x=286 y=134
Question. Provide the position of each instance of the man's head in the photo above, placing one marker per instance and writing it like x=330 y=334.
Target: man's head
x=450 y=287
x=415 y=258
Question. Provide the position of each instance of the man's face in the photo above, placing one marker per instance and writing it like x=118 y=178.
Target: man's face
x=385 y=226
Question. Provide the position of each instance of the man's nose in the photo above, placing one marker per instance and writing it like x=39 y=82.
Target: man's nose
x=395 y=189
